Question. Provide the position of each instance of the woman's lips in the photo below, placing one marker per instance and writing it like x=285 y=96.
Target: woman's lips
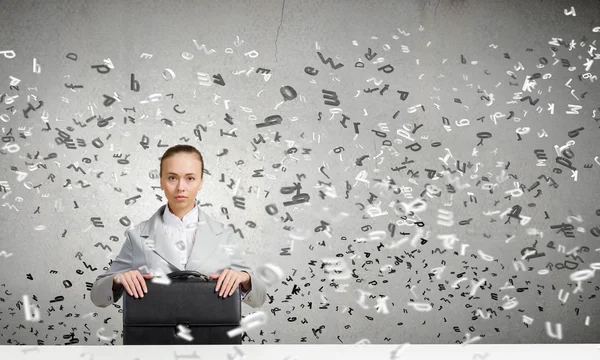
x=180 y=197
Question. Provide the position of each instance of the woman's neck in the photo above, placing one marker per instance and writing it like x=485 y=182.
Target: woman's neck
x=180 y=213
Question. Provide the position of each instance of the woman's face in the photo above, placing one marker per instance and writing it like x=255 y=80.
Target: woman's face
x=181 y=176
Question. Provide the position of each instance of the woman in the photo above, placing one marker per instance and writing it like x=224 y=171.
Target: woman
x=179 y=236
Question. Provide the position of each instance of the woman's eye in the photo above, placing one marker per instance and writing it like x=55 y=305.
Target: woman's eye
x=192 y=178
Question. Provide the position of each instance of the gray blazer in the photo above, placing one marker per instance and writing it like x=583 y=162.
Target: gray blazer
x=206 y=257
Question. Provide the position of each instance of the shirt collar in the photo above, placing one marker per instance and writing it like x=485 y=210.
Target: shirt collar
x=172 y=220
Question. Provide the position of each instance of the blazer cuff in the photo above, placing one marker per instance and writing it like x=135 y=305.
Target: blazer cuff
x=244 y=293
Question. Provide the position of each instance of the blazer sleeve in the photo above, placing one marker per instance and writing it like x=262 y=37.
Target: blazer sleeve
x=102 y=293
x=257 y=295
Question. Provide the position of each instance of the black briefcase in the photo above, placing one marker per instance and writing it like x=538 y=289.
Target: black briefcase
x=187 y=307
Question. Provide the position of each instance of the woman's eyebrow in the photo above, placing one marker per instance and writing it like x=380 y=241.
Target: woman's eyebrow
x=186 y=174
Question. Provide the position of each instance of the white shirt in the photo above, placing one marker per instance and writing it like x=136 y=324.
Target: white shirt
x=183 y=233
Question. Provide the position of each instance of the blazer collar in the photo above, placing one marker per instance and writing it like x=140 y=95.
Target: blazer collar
x=205 y=243
x=190 y=219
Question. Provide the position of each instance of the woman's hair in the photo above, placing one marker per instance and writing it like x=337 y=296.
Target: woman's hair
x=182 y=148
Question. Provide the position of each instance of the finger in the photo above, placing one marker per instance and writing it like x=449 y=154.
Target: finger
x=138 y=285
x=229 y=280
x=235 y=280
x=131 y=281
x=143 y=282
x=224 y=278
x=126 y=286
x=148 y=276
x=219 y=282
x=235 y=286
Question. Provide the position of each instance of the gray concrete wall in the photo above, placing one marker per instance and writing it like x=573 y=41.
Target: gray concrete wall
x=454 y=74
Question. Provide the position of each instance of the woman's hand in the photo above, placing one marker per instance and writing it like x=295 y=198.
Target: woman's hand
x=229 y=280
x=133 y=282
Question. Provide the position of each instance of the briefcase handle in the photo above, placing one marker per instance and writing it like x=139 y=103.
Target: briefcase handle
x=187 y=273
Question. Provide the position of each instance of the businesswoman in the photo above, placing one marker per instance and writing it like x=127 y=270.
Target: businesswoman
x=179 y=236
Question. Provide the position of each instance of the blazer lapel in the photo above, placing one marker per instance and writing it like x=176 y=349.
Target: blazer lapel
x=205 y=241
x=154 y=230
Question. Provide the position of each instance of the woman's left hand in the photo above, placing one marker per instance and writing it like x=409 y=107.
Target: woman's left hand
x=229 y=280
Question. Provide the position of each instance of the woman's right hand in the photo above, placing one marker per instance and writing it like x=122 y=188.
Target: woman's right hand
x=133 y=282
